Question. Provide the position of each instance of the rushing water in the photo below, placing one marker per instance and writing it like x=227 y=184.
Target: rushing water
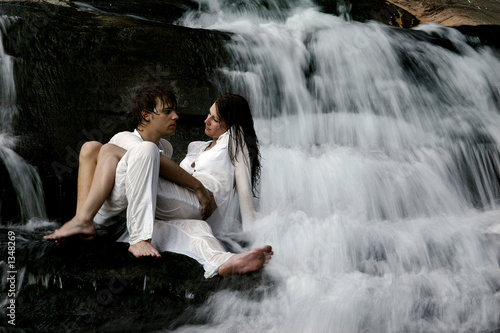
x=380 y=185
x=24 y=176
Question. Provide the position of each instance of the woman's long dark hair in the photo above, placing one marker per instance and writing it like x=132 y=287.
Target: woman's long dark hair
x=235 y=111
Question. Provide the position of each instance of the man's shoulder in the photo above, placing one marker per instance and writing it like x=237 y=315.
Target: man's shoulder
x=125 y=135
x=126 y=140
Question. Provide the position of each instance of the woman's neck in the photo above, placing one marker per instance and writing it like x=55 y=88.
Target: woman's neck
x=212 y=144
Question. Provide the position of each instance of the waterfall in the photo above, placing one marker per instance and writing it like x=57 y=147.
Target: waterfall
x=24 y=177
x=380 y=172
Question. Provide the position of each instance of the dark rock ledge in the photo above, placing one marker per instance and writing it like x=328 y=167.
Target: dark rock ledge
x=98 y=286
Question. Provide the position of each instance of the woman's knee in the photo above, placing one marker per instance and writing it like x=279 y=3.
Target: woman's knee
x=90 y=151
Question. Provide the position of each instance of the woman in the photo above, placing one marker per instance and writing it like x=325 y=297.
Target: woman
x=217 y=164
x=230 y=160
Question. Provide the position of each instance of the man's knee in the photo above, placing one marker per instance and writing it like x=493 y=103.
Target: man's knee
x=111 y=151
x=90 y=150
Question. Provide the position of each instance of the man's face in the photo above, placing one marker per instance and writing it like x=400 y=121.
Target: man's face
x=163 y=120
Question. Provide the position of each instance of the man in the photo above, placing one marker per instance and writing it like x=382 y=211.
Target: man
x=136 y=190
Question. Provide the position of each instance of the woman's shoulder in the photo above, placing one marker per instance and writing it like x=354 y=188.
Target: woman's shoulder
x=196 y=146
x=223 y=140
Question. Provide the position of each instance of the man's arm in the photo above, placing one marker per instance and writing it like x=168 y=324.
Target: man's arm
x=171 y=171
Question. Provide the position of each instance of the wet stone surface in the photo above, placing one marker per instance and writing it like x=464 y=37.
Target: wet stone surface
x=97 y=286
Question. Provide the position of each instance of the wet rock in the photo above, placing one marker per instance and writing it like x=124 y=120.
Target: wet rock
x=76 y=71
x=166 y=11
x=98 y=286
x=453 y=12
x=486 y=35
x=372 y=10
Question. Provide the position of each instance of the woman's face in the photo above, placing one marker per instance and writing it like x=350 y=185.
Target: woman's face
x=214 y=125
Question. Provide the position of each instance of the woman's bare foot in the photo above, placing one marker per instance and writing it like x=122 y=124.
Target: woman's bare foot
x=72 y=228
x=247 y=262
x=144 y=249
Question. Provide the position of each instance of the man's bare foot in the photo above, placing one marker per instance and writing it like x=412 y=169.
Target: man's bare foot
x=247 y=262
x=144 y=249
x=72 y=228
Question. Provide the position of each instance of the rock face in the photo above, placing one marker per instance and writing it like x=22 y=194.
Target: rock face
x=377 y=10
x=410 y=13
x=453 y=12
x=76 y=71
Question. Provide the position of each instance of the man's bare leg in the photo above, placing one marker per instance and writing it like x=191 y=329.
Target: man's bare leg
x=102 y=184
x=247 y=262
x=144 y=249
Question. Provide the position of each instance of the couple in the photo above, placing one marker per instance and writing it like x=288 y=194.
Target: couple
x=165 y=213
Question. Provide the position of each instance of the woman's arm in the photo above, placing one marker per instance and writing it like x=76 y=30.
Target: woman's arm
x=244 y=188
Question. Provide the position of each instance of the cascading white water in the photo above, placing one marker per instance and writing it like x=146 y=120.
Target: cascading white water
x=24 y=177
x=379 y=190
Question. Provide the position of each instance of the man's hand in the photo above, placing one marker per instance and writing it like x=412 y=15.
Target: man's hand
x=207 y=202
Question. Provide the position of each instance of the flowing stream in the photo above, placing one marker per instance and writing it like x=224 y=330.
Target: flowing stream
x=24 y=177
x=380 y=186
